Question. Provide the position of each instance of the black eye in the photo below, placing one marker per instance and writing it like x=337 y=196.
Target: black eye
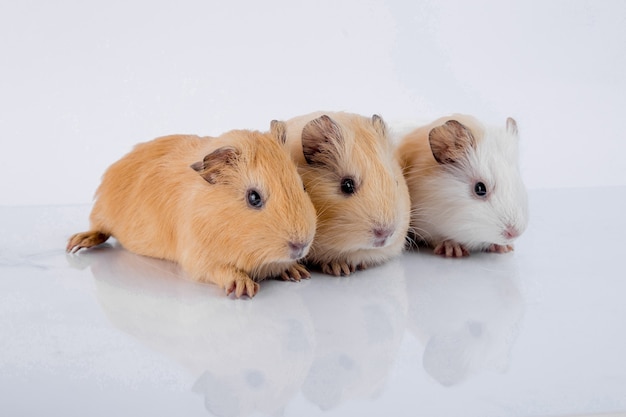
x=254 y=199
x=347 y=186
x=480 y=189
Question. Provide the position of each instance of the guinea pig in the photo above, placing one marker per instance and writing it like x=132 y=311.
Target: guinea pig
x=231 y=210
x=356 y=185
x=466 y=189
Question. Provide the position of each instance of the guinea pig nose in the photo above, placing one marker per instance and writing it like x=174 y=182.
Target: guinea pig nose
x=510 y=232
x=381 y=234
x=298 y=249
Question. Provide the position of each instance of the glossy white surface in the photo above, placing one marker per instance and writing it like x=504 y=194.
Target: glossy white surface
x=539 y=332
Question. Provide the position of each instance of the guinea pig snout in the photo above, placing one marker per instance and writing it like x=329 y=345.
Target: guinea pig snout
x=511 y=232
x=381 y=234
x=298 y=249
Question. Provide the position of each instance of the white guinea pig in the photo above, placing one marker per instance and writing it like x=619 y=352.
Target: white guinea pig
x=356 y=185
x=466 y=189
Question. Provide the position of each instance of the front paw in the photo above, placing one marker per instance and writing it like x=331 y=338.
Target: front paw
x=338 y=268
x=241 y=285
x=499 y=248
x=451 y=249
x=343 y=268
x=296 y=273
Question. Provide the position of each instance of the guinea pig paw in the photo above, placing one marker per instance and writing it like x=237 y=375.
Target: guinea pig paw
x=296 y=273
x=338 y=268
x=363 y=265
x=241 y=286
x=499 y=248
x=451 y=249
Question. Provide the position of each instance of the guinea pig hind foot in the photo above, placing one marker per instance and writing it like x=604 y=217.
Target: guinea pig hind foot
x=85 y=240
x=451 y=249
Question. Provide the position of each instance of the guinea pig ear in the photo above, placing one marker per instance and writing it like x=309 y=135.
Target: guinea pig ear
x=321 y=139
x=279 y=131
x=511 y=126
x=450 y=141
x=379 y=125
x=212 y=165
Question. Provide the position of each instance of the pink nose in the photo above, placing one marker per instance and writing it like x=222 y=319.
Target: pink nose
x=297 y=249
x=381 y=234
x=510 y=232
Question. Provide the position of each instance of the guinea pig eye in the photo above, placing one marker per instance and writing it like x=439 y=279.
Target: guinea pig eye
x=347 y=186
x=480 y=189
x=254 y=199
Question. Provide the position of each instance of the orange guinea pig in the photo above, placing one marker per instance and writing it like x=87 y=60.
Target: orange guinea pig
x=231 y=210
x=348 y=167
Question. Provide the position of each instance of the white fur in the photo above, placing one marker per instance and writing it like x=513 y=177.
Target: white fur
x=448 y=209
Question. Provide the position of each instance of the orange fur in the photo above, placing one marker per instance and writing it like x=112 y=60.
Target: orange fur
x=346 y=224
x=155 y=204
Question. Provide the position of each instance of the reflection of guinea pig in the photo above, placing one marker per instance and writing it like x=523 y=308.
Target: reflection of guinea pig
x=359 y=325
x=240 y=358
x=466 y=189
x=231 y=210
x=347 y=164
x=467 y=319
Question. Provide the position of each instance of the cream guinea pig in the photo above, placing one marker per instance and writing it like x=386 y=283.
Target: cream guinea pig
x=230 y=210
x=466 y=189
x=348 y=167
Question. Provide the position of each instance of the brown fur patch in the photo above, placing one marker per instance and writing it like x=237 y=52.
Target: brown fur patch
x=321 y=139
x=450 y=141
x=212 y=165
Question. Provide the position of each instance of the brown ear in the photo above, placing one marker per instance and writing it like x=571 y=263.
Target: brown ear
x=213 y=164
x=321 y=139
x=450 y=141
x=278 y=131
x=511 y=126
x=379 y=125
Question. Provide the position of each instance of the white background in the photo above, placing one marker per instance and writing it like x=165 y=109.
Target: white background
x=82 y=82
